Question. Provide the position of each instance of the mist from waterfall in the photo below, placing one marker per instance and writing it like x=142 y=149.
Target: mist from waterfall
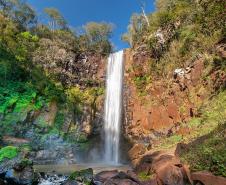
x=113 y=107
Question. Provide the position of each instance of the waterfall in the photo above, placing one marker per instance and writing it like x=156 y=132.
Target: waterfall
x=113 y=107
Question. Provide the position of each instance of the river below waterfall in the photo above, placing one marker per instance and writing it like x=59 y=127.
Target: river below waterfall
x=68 y=169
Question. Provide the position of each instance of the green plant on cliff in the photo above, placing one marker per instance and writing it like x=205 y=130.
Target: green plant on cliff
x=8 y=152
x=144 y=176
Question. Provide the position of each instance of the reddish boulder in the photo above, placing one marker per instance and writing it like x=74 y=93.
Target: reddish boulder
x=105 y=175
x=153 y=161
x=207 y=178
x=120 y=182
x=122 y=178
x=170 y=175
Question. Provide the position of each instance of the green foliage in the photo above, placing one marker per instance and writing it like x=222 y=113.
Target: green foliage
x=8 y=152
x=171 y=141
x=209 y=154
x=20 y=12
x=56 y=19
x=135 y=29
x=82 y=138
x=144 y=176
x=96 y=37
x=59 y=120
x=188 y=28
x=17 y=96
x=195 y=122
x=25 y=162
x=141 y=82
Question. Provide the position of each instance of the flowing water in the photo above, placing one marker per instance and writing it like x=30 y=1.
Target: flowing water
x=113 y=107
x=112 y=127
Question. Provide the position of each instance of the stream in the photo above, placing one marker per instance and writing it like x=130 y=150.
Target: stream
x=68 y=169
x=50 y=171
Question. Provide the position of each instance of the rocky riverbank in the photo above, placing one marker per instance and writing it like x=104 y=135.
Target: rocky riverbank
x=149 y=168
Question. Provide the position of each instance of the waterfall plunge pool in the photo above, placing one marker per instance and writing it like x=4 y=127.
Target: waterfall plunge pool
x=68 y=169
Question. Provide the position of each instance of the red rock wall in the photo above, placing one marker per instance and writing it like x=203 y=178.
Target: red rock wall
x=168 y=102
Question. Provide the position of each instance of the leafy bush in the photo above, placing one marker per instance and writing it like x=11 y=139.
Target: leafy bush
x=17 y=96
x=141 y=82
x=8 y=152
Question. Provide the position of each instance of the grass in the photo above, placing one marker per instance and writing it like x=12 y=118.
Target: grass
x=8 y=152
x=144 y=176
x=209 y=153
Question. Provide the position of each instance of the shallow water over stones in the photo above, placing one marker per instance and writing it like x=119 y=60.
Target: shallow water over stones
x=49 y=177
x=68 y=169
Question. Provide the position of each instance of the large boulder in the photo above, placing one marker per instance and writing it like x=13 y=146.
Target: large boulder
x=207 y=178
x=151 y=161
x=105 y=175
x=165 y=167
x=18 y=172
x=84 y=176
x=170 y=175
x=122 y=178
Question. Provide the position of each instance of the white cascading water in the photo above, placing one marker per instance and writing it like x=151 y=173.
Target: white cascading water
x=113 y=107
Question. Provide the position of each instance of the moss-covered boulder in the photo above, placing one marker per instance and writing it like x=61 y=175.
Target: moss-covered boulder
x=84 y=176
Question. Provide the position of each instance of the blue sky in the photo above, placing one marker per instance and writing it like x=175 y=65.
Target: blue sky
x=79 y=12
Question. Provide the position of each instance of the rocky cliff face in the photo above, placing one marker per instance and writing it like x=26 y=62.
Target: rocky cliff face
x=167 y=102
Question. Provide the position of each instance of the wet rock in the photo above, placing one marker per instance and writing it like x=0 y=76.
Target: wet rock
x=18 y=172
x=55 y=151
x=52 y=179
x=207 y=178
x=2 y=182
x=120 y=182
x=105 y=175
x=24 y=177
x=122 y=178
x=70 y=182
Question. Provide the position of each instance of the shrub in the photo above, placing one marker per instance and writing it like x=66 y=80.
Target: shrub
x=8 y=152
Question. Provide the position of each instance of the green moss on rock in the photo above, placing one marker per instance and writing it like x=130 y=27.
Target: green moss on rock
x=85 y=176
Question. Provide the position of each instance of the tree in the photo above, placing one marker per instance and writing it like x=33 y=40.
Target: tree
x=135 y=29
x=20 y=12
x=96 y=37
x=57 y=21
x=142 y=4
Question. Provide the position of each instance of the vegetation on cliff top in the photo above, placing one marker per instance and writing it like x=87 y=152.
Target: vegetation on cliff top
x=178 y=31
